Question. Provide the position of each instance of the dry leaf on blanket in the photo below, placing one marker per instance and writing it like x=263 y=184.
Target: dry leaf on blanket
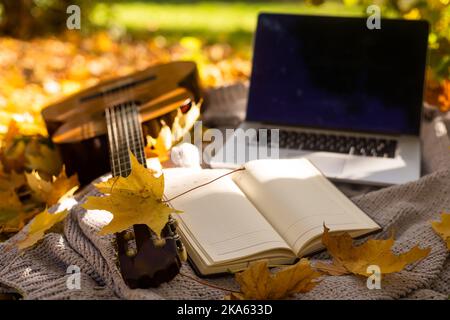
x=136 y=199
x=258 y=283
x=442 y=228
x=332 y=269
x=37 y=228
x=356 y=259
x=52 y=192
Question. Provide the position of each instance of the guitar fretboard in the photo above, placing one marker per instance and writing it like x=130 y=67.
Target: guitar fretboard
x=124 y=134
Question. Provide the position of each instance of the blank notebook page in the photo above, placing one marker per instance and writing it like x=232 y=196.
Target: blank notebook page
x=297 y=200
x=218 y=216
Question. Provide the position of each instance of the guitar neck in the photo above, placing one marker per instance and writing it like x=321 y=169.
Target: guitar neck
x=124 y=135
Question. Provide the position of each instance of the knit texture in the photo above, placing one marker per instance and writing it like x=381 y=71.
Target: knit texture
x=41 y=272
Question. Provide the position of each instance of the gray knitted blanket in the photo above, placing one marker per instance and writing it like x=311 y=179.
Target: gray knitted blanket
x=42 y=271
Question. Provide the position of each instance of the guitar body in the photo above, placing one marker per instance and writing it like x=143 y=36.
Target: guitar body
x=77 y=124
x=96 y=129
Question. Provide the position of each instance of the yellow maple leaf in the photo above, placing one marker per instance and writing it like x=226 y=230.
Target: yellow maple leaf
x=373 y=252
x=136 y=199
x=169 y=136
x=184 y=122
x=37 y=228
x=52 y=192
x=258 y=283
x=443 y=228
x=160 y=146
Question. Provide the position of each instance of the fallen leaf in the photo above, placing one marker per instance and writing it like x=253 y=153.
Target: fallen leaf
x=12 y=181
x=444 y=97
x=258 y=283
x=160 y=146
x=10 y=210
x=52 y=192
x=13 y=157
x=331 y=269
x=37 y=228
x=11 y=134
x=372 y=252
x=136 y=199
x=184 y=122
x=169 y=136
x=442 y=228
x=42 y=158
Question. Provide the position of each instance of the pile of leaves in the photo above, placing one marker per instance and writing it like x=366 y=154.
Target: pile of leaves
x=34 y=73
x=31 y=178
x=258 y=282
x=37 y=72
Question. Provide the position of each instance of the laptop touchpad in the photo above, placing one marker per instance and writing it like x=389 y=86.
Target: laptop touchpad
x=329 y=165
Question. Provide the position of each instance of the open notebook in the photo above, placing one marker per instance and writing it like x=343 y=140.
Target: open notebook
x=274 y=209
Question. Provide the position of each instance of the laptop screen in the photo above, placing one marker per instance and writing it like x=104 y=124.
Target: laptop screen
x=335 y=73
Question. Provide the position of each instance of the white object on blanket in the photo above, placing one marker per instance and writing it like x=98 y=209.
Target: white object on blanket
x=185 y=155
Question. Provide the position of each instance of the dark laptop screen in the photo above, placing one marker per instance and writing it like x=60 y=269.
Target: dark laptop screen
x=335 y=73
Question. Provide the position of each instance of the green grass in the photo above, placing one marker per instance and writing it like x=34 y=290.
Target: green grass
x=211 y=20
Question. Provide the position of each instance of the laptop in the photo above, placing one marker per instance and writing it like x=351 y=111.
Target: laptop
x=344 y=96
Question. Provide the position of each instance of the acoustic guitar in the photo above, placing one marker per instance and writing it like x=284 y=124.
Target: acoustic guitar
x=77 y=124
x=108 y=121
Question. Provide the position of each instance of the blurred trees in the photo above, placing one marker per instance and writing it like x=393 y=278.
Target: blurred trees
x=27 y=18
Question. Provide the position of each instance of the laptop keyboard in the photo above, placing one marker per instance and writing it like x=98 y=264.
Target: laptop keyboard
x=361 y=146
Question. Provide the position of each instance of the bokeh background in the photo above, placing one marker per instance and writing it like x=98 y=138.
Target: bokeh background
x=40 y=60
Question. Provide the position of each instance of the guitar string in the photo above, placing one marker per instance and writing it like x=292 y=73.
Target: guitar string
x=109 y=112
x=114 y=129
x=127 y=112
x=135 y=147
x=125 y=130
x=134 y=136
x=134 y=120
x=114 y=146
x=130 y=120
x=139 y=134
x=126 y=119
x=110 y=139
x=123 y=114
x=120 y=140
